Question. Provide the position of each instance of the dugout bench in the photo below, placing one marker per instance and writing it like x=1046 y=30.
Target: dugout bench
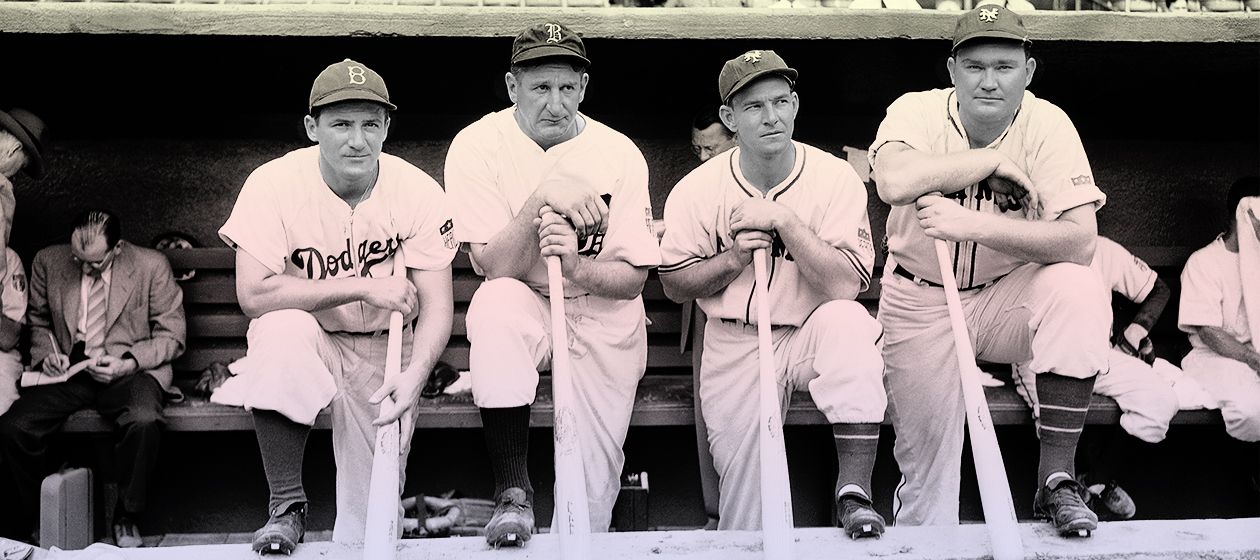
x=216 y=332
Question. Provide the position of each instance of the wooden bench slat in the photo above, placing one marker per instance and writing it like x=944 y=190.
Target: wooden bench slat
x=235 y=325
x=662 y=400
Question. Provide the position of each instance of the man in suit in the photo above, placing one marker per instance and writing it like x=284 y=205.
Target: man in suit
x=115 y=306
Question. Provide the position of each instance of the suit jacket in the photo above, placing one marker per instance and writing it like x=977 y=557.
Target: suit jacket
x=144 y=317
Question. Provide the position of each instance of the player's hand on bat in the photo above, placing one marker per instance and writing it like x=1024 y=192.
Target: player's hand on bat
x=942 y=218
x=105 y=369
x=556 y=238
x=1013 y=189
x=582 y=206
x=395 y=293
x=404 y=392
x=760 y=214
x=749 y=240
x=55 y=364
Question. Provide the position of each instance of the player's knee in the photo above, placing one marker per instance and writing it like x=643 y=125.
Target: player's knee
x=846 y=320
x=144 y=420
x=496 y=301
x=284 y=324
x=1242 y=419
x=1072 y=283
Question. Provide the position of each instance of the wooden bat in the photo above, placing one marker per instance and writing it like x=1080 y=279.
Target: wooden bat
x=573 y=521
x=776 y=490
x=995 y=490
x=382 y=530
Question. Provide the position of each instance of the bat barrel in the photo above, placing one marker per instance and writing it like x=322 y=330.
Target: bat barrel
x=995 y=489
x=776 y=491
x=381 y=526
x=573 y=523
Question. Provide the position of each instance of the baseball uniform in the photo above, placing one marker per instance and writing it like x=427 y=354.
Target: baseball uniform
x=13 y=285
x=1147 y=401
x=1054 y=317
x=299 y=362
x=822 y=345
x=1213 y=294
x=492 y=168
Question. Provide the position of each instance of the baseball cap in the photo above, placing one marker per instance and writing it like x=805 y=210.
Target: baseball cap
x=29 y=130
x=743 y=69
x=990 y=21
x=548 y=39
x=348 y=81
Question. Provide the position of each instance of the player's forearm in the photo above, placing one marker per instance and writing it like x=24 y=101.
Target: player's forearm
x=820 y=264
x=1070 y=238
x=1222 y=343
x=280 y=291
x=902 y=175
x=513 y=251
x=610 y=279
x=1153 y=306
x=432 y=332
x=702 y=279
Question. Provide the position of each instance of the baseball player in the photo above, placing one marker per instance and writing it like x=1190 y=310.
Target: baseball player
x=1147 y=401
x=709 y=137
x=316 y=232
x=1220 y=310
x=12 y=317
x=1018 y=217
x=21 y=148
x=809 y=208
x=541 y=179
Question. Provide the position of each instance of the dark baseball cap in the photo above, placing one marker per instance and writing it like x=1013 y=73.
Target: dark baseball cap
x=745 y=68
x=547 y=40
x=30 y=132
x=348 y=81
x=990 y=21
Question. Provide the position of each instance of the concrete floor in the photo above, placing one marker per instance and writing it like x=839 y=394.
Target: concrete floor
x=1219 y=539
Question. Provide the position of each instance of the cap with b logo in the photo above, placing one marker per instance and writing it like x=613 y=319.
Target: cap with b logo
x=990 y=21
x=547 y=40
x=745 y=68
x=349 y=81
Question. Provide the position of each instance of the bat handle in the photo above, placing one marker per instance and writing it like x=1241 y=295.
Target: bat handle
x=776 y=492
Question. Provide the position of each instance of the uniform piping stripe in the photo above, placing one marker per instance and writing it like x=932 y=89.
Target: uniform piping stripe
x=857 y=265
x=748 y=190
x=799 y=172
x=679 y=266
x=838 y=436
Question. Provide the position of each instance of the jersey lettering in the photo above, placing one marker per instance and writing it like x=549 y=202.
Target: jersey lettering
x=318 y=266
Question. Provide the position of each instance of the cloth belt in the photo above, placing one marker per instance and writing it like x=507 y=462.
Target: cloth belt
x=740 y=323
x=899 y=271
x=382 y=332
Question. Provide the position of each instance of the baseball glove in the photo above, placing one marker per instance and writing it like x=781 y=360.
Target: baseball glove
x=211 y=378
x=442 y=377
x=429 y=517
x=1145 y=350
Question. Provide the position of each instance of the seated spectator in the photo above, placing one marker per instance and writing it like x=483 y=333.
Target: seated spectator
x=709 y=137
x=1220 y=310
x=106 y=320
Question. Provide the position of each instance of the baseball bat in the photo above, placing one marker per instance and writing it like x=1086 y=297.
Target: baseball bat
x=995 y=490
x=381 y=533
x=573 y=521
x=776 y=490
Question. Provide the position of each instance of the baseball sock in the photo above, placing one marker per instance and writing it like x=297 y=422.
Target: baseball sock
x=282 y=443
x=1063 y=404
x=856 y=445
x=507 y=441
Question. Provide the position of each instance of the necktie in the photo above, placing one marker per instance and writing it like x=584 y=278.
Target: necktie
x=95 y=341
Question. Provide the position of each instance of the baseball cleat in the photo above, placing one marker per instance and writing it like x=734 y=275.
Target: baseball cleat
x=513 y=521
x=1116 y=503
x=1064 y=505
x=858 y=519
x=282 y=533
